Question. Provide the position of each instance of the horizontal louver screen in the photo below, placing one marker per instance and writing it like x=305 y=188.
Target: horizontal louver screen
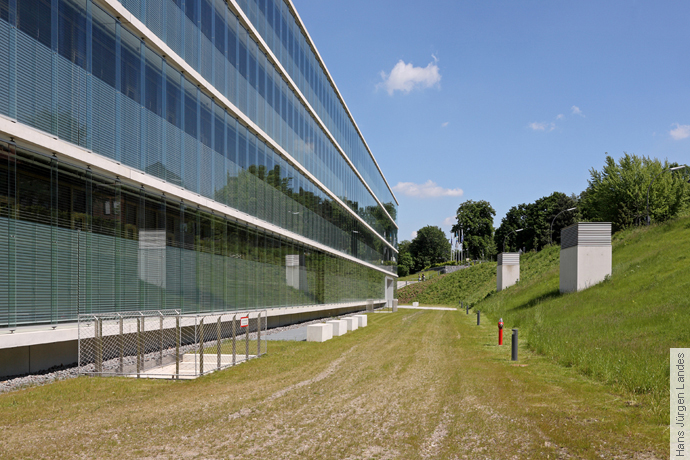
x=509 y=258
x=586 y=234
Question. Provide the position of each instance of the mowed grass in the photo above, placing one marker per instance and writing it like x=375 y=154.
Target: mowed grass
x=412 y=385
x=618 y=331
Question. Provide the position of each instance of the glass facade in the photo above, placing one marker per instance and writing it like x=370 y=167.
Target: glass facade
x=69 y=68
x=73 y=241
x=214 y=43
x=281 y=31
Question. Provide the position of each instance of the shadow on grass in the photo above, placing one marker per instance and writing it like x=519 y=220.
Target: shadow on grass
x=537 y=300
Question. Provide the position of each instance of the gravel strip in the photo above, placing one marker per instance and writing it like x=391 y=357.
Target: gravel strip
x=12 y=383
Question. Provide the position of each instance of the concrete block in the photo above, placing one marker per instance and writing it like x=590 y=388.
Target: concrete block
x=339 y=327
x=507 y=270
x=352 y=323
x=582 y=267
x=415 y=304
x=395 y=305
x=586 y=256
x=362 y=320
x=319 y=332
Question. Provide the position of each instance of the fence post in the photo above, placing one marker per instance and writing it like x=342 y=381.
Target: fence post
x=161 y=344
x=234 y=345
x=178 y=334
x=121 y=340
x=246 y=340
x=258 y=335
x=218 y=340
x=201 y=346
x=138 y=346
x=99 y=345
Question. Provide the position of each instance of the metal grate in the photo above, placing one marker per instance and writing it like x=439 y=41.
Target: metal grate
x=509 y=258
x=167 y=344
x=586 y=234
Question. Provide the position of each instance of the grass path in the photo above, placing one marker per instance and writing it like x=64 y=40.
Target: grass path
x=412 y=385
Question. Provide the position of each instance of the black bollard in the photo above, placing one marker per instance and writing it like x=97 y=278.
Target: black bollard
x=467 y=309
x=478 y=317
x=514 y=345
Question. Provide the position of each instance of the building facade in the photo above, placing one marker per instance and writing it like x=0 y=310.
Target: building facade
x=179 y=154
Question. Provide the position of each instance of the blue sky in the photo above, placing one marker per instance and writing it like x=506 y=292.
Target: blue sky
x=505 y=101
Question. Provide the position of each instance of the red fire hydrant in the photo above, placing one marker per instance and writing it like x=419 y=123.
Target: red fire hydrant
x=500 y=331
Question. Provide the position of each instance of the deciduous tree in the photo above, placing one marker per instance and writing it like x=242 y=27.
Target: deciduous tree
x=476 y=219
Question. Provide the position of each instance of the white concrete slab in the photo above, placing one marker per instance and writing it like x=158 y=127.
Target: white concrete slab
x=407 y=307
x=352 y=323
x=319 y=332
x=415 y=304
x=362 y=320
x=190 y=366
x=339 y=327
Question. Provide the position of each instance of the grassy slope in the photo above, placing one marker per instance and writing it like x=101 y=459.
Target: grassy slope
x=619 y=331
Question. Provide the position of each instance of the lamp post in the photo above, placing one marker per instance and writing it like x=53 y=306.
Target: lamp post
x=554 y=220
x=506 y=237
x=676 y=168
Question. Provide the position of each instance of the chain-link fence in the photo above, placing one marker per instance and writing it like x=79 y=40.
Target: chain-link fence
x=167 y=344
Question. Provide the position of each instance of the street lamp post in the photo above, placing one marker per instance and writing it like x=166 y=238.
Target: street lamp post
x=554 y=220
x=506 y=237
x=676 y=168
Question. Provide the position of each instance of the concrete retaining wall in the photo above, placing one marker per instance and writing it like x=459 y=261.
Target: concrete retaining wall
x=32 y=349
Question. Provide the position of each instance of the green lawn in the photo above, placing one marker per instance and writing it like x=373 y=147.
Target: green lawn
x=619 y=331
x=412 y=385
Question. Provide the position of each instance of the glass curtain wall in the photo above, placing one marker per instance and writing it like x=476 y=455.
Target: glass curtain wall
x=210 y=38
x=281 y=31
x=73 y=242
x=75 y=72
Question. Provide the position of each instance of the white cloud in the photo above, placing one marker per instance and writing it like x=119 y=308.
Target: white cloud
x=576 y=111
x=444 y=124
x=406 y=77
x=542 y=126
x=429 y=189
x=680 y=131
x=414 y=235
x=449 y=221
x=560 y=116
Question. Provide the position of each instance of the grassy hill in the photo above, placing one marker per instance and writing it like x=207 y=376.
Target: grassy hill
x=618 y=331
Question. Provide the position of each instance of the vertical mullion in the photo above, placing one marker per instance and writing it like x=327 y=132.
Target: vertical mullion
x=12 y=236
x=89 y=75
x=118 y=244
x=118 y=92
x=142 y=256
x=163 y=261
x=181 y=246
x=224 y=254
x=198 y=140
x=12 y=109
x=53 y=240
x=88 y=183
x=183 y=150
x=142 y=101
x=197 y=253
x=54 y=62
x=164 y=107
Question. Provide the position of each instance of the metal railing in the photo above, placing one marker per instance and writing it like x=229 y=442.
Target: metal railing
x=168 y=344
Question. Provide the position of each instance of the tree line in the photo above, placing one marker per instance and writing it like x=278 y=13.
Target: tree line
x=617 y=194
